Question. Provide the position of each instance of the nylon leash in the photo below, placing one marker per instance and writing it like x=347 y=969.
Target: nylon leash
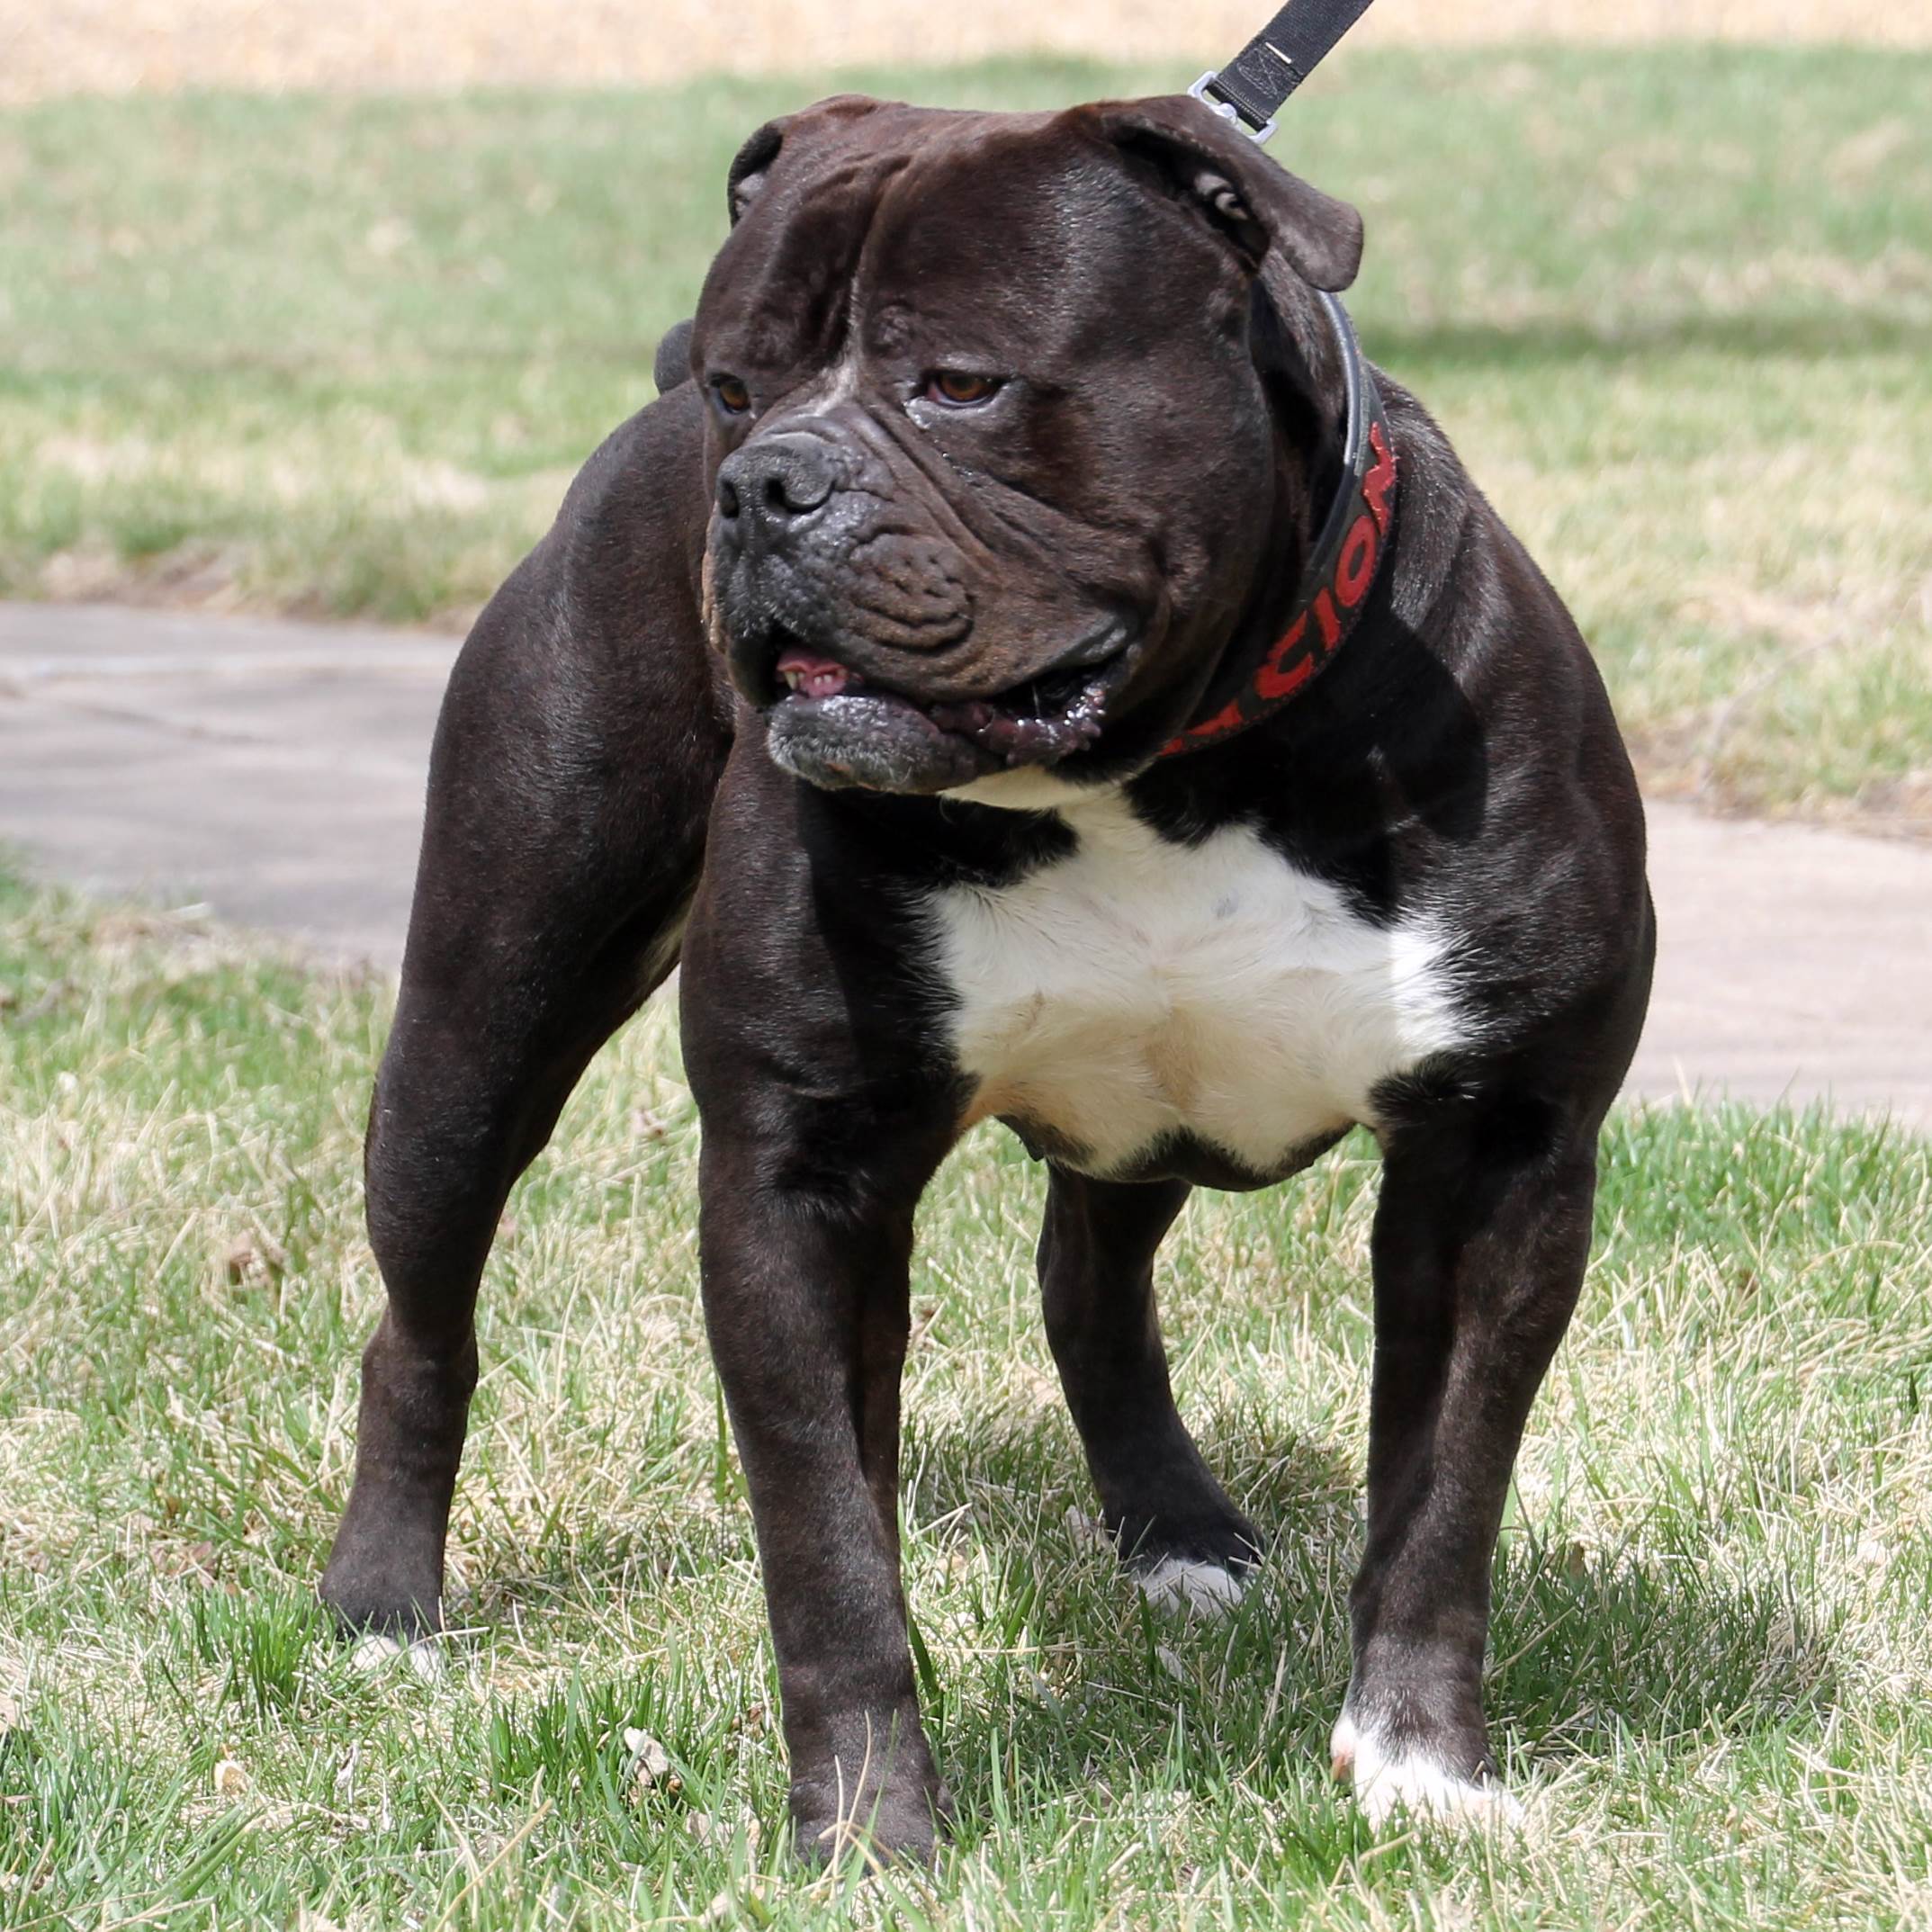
x=1251 y=88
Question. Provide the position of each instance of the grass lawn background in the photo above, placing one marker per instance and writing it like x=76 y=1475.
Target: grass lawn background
x=1713 y=1637
x=341 y=356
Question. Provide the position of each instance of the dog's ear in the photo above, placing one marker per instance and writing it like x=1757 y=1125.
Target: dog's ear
x=672 y=362
x=749 y=167
x=1211 y=167
x=753 y=161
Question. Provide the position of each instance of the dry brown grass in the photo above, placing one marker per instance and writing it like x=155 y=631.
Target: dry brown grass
x=120 y=46
x=1713 y=1608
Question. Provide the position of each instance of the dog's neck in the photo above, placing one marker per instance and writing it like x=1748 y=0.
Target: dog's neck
x=1333 y=509
x=1305 y=377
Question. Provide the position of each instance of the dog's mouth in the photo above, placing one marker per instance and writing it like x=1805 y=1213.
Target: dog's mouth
x=931 y=742
x=1035 y=723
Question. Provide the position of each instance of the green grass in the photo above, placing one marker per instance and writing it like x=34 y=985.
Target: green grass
x=1714 y=1605
x=1674 y=304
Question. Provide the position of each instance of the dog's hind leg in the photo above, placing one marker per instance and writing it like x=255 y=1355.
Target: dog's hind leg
x=478 y=1068
x=573 y=773
x=1173 y=1523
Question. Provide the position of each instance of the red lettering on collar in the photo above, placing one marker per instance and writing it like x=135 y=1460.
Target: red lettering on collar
x=1356 y=571
x=1278 y=678
x=1293 y=658
x=1379 y=480
x=1325 y=615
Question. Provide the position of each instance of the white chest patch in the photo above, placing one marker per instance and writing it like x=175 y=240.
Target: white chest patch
x=1137 y=989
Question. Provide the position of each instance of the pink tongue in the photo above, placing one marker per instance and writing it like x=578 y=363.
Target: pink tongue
x=814 y=676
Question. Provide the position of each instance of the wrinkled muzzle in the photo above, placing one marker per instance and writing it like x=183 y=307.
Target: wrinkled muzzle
x=892 y=651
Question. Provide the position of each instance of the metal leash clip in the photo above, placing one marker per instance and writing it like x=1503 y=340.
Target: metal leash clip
x=1250 y=89
x=1204 y=90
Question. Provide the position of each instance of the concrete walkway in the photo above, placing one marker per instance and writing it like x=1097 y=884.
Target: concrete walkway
x=274 y=772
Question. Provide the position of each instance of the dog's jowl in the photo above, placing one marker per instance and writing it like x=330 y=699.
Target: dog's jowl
x=1028 y=665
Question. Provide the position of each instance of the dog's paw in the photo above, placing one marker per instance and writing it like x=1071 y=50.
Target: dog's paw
x=1405 y=1780
x=377 y=1651
x=879 y=1797
x=822 y=1841
x=1200 y=1589
x=1202 y=1569
x=902 y=1824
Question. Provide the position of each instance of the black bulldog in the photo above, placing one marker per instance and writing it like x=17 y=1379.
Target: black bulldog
x=1026 y=666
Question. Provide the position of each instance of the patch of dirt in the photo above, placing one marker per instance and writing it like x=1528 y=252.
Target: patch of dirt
x=127 y=46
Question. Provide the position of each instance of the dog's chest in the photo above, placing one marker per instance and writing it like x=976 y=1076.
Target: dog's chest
x=1137 y=990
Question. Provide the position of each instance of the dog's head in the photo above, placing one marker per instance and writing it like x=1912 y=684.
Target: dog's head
x=994 y=458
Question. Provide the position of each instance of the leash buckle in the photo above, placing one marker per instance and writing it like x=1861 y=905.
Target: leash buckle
x=1205 y=91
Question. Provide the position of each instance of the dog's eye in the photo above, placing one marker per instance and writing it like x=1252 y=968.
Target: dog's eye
x=734 y=398
x=960 y=389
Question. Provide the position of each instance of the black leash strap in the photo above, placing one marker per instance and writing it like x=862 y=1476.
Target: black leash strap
x=1251 y=88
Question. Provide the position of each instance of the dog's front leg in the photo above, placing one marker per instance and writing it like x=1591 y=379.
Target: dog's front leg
x=1479 y=1244
x=805 y=1301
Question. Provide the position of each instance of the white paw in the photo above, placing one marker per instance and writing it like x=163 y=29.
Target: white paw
x=377 y=1651
x=1411 y=1782
x=1205 y=1589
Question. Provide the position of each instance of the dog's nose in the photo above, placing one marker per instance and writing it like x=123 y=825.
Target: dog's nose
x=774 y=482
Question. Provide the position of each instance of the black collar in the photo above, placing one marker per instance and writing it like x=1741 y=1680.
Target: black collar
x=1341 y=569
